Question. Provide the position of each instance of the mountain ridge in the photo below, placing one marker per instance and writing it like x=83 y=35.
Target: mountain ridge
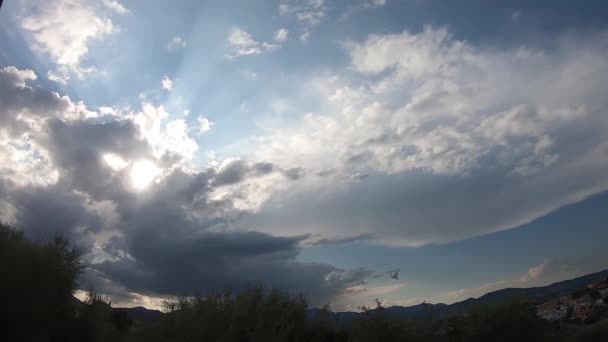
x=537 y=293
x=419 y=311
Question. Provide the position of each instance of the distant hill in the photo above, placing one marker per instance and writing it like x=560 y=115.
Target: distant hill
x=138 y=313
x=420 y=311
x=141 y=314
x=540 y=293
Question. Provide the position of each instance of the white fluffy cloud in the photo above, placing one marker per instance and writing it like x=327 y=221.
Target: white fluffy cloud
x=116 y=6
x=242 y=44
x=167 y=83
x=64 y=29
x=204 y=125
x=492 y=136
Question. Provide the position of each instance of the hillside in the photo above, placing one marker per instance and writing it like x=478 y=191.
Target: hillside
x=539 y=294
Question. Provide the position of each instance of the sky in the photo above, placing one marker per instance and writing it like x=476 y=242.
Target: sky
x=317 y=146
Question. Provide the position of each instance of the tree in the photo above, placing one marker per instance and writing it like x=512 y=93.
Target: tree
x=38 y=280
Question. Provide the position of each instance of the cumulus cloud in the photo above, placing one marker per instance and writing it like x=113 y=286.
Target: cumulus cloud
x=63 y=29
x=26 y=109
x=443 y=118
x=242 y=44
x=167 y=83
x=204 y=125
x=547 y=272
x=175 y=43
x=139 y=244
x=544 y=270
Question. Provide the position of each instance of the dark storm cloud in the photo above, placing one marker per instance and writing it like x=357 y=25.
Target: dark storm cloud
x=237 y=170
x=77 y=149
x=48 y=212
x=339 y=240
x=173 y=252
x=174 y=241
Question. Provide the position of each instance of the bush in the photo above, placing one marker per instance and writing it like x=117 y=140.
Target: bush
x=38 y=279
x=98 y=322
x=252 y=315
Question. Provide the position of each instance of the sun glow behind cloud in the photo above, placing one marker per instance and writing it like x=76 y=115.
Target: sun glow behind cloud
x=143 y=173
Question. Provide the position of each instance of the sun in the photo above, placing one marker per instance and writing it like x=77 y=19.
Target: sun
x=142 y=174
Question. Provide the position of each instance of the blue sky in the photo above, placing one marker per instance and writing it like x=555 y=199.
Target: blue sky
x=309 y=144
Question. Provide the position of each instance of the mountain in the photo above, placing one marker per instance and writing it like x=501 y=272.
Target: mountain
x=141 y=314
x=539 y=294
x=138 y=313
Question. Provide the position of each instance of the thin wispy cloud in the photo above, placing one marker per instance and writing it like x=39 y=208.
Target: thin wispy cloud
x=280 y=36
x=243 y=44
x=176 y=43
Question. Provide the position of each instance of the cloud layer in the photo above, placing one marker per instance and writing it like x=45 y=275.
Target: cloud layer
x=443 y=140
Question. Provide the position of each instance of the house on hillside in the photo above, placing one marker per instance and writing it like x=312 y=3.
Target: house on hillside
x=553 y=310
x=582 y=314
x=583 y=308
x=553 y=314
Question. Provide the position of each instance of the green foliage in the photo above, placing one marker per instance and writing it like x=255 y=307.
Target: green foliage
x=37 y=282
x=514 y=320
x=38 y=279
x=251 y=315
x=97 y=322
x=510 y=321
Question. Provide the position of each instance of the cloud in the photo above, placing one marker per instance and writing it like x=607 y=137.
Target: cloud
x=243 y=44
x=544 y=270
x=204 y=125
x=338 y=240
x=23 y=104
x=63 y=29
x=116 y=6
x=139 y=243
x=442 y=118
x=308 y=13
x=25 y=112
x=176 y=43
x=378 y=3
x=234 y=171
x=167 y=83
x=281 y=35
x=168 y=139
x=534 y=273
x=379 y=290
x=213 y=261
x=305 y=36
x=542 y=274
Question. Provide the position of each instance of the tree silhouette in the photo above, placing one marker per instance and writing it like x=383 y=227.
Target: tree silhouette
x=38 y=280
